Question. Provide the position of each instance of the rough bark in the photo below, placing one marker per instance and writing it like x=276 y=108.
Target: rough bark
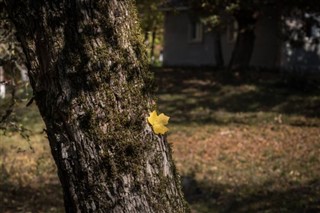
x=90 y=80
x=242 y=51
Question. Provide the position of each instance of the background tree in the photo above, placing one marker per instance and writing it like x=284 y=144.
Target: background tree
x=12 y=73
x=11 y=54
x=246 y=13
x=151 y=19
x=88 y=70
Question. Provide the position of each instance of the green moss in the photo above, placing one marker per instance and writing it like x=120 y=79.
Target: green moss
x=117 y=131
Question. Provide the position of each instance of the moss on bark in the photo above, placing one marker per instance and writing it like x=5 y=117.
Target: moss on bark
x=94 y=91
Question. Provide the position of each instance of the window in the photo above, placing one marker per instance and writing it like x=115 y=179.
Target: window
x=195 y=31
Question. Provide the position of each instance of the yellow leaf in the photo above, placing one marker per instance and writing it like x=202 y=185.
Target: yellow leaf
x=158 y=122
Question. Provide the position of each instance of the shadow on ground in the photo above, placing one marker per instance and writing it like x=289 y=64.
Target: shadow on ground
x=208 y=197
x=46 y=198
x=203 y=96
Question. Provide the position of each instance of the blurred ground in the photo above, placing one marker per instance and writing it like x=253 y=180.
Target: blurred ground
x=240 y=146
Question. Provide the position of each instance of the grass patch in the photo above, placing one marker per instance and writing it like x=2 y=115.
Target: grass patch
x=28 y=176
x=249 y=146
x=245 y=146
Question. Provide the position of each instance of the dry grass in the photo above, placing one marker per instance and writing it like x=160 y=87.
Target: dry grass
x=244 y=146
x=28 y=178
x=240 y=147
x=224 y=167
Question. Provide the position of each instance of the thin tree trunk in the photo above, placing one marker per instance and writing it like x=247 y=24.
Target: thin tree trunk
x=146 y=37
x=88 y=71
x=243 y=49
x=218 y=50
x=154 y=34
x=2 y=83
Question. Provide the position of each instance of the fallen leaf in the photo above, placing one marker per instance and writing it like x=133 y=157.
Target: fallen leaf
x=158 y=122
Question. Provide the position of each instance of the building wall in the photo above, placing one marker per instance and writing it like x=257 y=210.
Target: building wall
x=269 y=50
x=179 y=50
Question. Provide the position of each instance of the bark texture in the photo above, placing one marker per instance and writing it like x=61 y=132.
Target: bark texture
x=89 y=75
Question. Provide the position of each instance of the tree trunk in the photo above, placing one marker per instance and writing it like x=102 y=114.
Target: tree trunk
x=88 y=71
x=218 y=50
x=153 y=42
x=146 y=37
x=242 y=51
x=2 y=84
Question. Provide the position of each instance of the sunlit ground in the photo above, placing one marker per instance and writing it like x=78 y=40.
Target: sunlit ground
x=243 y=146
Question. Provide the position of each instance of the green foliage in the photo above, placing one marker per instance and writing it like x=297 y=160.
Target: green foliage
x=149 y=14
x=11 y=58
x=151 y=22
x=213 y=8
x=14 y=116
x=10 y=49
